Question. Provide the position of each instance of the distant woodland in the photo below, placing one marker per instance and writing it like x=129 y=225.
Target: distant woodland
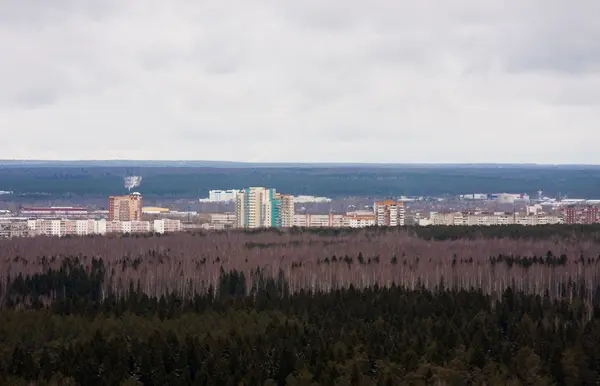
x=358 y=181
x=377 y=306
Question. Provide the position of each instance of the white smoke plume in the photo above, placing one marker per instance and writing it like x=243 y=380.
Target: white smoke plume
x=132 y=182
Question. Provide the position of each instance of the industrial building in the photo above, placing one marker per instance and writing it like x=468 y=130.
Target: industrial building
x=53 y=212
x=154 y=210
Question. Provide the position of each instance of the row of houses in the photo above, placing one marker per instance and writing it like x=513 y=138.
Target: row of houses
x=23 y=227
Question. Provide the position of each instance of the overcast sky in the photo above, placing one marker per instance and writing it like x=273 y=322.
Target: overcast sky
x=302 y=81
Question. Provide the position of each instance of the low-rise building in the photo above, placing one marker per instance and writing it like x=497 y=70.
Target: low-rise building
x=487 y=219
x=166 y=226
x=310 y=199
x=59 y=228
x=359 y=219
x=213 y=226
x=53 y=212
x=227 y=218
x=14 y=227
x=154 y=210
x=318 y=220
x=588 y=214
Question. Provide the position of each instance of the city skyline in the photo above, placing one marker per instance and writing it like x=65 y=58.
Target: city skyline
x=380 y=82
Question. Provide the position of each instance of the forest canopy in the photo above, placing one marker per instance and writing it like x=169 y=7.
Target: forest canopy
x=304 y=307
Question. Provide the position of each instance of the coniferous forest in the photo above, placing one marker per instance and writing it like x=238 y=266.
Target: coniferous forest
x=377 y=306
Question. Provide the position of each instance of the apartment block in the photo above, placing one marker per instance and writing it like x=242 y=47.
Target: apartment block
x=166 y=226
x=287 y=210
x=58 y=228
x=359 y=219
x=125 y=208
x=588 y=214
x=389 y=213
x=258 y=207
x=487 y=219
x=250 y=207
x=443 y=218
x=113 y=227
x=318 y=220
x=11 y=227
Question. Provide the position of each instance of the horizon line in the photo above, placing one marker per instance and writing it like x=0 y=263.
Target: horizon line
x=172 y=161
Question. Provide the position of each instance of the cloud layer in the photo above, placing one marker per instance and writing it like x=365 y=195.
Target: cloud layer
x=310 y=81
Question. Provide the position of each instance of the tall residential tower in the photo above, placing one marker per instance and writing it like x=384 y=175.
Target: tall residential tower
x=258 y=207
x=125 y=208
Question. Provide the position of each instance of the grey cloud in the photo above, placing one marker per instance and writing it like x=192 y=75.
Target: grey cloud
x=563 y=37
x=570 y=58
x=32 y=98
x=31 y=14
x=380 y=81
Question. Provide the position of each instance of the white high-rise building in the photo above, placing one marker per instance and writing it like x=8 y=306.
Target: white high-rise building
x=252 y=207
x=258 y=207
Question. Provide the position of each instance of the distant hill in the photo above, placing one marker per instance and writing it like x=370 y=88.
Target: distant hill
x=193 y=179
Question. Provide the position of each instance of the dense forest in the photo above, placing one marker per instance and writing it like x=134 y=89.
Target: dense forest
x=378 y=306
x=532 y=259
x=330 y=181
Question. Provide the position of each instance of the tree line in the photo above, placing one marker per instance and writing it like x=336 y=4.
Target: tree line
x=346 y=181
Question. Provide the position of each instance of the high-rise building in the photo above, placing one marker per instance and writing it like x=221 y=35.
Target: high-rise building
x=287 y=210
x=389 y=213
x=125 y=208
x=249 y=207
x=258 y=207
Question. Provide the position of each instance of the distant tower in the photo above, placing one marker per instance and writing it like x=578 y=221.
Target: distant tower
x=539 y=192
